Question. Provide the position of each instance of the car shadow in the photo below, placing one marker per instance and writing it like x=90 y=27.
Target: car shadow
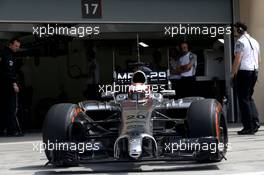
x=123 y=167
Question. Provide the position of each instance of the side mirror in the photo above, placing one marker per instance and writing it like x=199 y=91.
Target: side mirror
x=168 y=93
x=107 y=95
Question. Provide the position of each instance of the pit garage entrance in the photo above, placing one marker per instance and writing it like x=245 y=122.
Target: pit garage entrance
x=58 y=68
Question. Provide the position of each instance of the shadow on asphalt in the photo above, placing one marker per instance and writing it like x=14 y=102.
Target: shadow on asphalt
x=120 y=168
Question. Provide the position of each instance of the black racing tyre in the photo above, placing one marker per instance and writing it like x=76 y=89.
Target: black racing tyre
x=55 y=130
x=205 y=119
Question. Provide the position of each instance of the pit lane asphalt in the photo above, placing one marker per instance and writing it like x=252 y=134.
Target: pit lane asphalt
x=246 y=156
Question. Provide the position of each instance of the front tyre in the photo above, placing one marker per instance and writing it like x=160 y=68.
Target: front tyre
x=56 y=130
x=206 y=120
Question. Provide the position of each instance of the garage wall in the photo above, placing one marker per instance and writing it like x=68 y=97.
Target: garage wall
x=251 y=12
x=119 y=11
x=50 y=76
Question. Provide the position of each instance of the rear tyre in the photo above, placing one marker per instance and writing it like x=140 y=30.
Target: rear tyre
x=56 y=130
x=206 y=120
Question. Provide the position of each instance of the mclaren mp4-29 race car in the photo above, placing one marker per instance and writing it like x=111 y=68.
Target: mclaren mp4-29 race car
x=141 y=124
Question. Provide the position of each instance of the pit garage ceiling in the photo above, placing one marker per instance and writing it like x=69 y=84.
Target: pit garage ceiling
x=118 y=11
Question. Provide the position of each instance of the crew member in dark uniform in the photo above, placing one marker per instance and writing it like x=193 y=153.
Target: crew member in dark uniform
x=9 y=89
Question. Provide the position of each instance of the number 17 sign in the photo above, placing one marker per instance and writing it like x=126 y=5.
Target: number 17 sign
x=91 y=9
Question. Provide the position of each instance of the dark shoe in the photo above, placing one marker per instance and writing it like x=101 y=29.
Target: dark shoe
x=16 y=134
x=246 y=132
x=2 y=134
x=256 y=128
